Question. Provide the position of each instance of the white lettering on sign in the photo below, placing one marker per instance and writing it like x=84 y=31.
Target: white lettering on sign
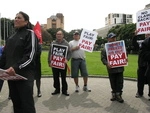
x=58 y=64
x=57 y=58
x=116 y=56
x=59 y=49
x=117 y=62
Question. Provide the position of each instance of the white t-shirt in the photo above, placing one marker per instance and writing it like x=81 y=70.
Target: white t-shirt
x=76 y=53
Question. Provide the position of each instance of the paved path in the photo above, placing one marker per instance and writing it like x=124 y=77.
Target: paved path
x=97 y=101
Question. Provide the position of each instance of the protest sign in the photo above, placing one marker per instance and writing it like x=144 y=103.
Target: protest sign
x=58 y=56
x=116 y=54
x=143 y=21
x=87 y=40
x=5 y=76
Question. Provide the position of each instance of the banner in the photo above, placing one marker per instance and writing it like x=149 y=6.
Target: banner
x=116 y=54
x=143 y=21
x=58 y=56
x=37 y=31
x=87 y=40
x=5 y=76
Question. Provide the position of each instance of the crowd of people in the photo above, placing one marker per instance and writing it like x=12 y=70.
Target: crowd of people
x=22 y=55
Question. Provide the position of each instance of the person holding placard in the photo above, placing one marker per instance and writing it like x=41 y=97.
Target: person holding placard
x=58 y=56
x=142 y=66
x=115 y=74
x=78 y=63
x=144 y=54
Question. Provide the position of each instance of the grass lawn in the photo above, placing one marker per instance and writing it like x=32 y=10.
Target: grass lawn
x=94 y=65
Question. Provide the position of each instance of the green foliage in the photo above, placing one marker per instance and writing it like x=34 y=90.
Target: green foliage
x=53 y=31
x=126 y=32
x=47 y=38
x=46 y=70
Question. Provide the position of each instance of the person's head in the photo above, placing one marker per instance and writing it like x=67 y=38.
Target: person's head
x=22 y=20
x=59 y=35
x=147 y=35
x=76 y=35
x=111 y=37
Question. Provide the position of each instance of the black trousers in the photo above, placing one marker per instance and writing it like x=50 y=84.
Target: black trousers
x=62 y=73
x=116 y=82
x=141 y=80
x=21 y=93
x=38 y=74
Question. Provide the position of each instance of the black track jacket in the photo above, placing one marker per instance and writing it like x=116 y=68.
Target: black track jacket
x=19 y=53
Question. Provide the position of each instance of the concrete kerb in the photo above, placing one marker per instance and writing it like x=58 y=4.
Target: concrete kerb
x=94 y=76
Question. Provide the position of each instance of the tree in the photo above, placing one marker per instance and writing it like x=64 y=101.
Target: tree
x=125 y=32
x=47 y=38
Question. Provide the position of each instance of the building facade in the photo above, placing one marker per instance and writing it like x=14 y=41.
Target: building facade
x=117 y=18
x=114 y=19
x=147 y=6
x=55 y=21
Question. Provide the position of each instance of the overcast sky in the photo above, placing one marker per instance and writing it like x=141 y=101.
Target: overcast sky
x=87 y=14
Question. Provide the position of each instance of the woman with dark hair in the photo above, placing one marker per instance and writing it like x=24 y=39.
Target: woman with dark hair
x=19 y=57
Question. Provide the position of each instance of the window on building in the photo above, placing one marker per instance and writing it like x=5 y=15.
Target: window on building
x=53 y=20
x=129 y=16
x=53 y=25
x=129 y=20
x=109 y=16
x=114 y=20
x=115 y=15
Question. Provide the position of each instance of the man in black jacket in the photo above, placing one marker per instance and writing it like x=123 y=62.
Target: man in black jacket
x=142 y=66
x=145 y=56
x=115 y=74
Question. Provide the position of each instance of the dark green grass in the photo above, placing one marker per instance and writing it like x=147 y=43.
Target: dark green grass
x=94 y=65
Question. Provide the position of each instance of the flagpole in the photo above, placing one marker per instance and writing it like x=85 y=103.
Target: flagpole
x=7 y=29
x=4 y=31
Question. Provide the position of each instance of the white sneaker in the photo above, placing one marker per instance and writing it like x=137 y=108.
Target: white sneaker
x=85 y=88
x=77 y=89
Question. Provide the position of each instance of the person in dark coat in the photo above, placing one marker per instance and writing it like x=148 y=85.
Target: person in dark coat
x=38 y=70
x=142 y=66
x=145 y=56
x=19 y=57
x=115 y=74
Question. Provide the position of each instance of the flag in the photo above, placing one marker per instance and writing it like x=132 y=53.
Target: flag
x=37 y=30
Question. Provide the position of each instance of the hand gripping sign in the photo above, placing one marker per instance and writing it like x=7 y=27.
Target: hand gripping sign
x=5 y=76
